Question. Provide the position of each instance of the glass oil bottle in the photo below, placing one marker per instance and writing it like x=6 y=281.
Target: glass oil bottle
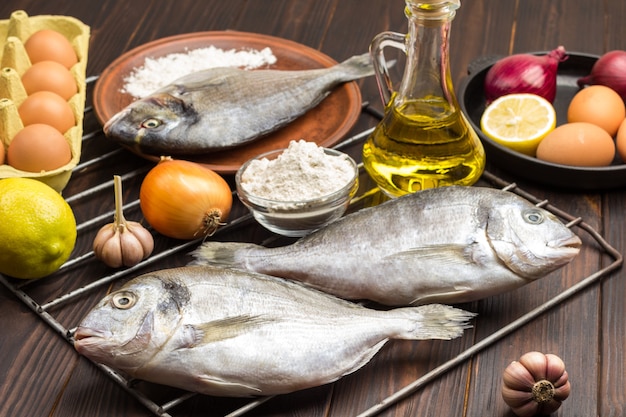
x=424 y=140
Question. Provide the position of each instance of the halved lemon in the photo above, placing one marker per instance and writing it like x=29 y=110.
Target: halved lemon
x=519 y=121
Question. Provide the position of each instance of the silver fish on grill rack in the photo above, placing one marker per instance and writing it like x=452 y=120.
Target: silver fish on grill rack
x=225 y=332
x=450 y=245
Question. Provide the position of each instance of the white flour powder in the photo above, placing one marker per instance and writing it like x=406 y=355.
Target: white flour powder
x=302 y=172
x=159 y=72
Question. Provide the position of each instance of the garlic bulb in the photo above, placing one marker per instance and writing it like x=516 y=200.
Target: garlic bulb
x=122 y=243
x=537 y=384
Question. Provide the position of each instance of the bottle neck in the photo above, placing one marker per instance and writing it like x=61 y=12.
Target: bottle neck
x=427 y=72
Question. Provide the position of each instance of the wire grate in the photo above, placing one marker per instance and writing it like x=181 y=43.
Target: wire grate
x=45 y=310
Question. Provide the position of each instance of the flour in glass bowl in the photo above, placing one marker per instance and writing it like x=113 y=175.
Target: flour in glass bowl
x=302 y=172
x=156 y=73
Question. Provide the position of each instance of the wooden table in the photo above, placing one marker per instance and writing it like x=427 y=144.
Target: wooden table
x=42 y=375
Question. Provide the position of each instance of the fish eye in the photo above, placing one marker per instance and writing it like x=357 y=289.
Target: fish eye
x=151 y=123
x=124 y=300
x=533 y=216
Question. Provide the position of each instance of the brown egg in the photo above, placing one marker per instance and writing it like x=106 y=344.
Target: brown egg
x=49 y=76
x=599 y=105
x=47 y=108
x=620 y=141
x=2 y=153
x=577 y=144
x=37 y=148
x=50 y=45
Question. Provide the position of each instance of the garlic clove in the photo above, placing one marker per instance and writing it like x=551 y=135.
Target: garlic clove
x=517 y=376
x=554 y=367
x=105 y=233
x=132 y=251
x=562 y=389
x=536 y=363
x=143 y=236
x=515 y=398
x=111 y=252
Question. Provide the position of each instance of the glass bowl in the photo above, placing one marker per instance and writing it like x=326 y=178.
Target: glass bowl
x=298 y=218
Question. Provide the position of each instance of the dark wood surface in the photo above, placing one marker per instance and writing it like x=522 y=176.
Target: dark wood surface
x=41 y=374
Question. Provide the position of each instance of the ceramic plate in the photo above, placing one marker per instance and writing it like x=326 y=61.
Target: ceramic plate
x=472 y=101
x=326 y=124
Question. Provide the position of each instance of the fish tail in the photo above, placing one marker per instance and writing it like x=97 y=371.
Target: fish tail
x=434 y=321
x=220 y=253
x=353 y=68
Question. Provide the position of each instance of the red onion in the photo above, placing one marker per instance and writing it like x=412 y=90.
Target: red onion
x=524 y=73
x=610 y=71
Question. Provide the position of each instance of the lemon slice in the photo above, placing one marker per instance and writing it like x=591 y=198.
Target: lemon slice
x=519 y=121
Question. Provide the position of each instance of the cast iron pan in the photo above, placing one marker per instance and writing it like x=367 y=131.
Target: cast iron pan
x=472 y=102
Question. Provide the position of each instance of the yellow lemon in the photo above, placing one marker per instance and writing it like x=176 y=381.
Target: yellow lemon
x=519 y=121
x=37 y=229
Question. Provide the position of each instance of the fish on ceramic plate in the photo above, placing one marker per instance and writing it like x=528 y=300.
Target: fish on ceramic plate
x=226 y=332
x=450 y=244
x=221 y=108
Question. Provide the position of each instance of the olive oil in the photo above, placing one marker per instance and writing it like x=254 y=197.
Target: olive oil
x=412 y=149
x=423 y=140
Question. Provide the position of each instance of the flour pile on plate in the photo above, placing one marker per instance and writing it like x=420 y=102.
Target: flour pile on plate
x=159 y=72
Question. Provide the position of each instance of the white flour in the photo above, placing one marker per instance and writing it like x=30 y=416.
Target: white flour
x=302 y=172
x=159 y=72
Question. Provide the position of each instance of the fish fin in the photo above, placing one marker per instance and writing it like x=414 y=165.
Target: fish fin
x=198 y=81
x=226 y=387
x=441 y=253
x=214 y=331
x=142 y=337
x=455 y=294
x=433 y=321
x=365 y=357
x=355 y=67
x=220 y=253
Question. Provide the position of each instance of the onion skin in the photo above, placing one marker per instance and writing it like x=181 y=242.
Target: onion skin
x=524 y=73
x=184 y=200
x=609 y=70
x=537 y=384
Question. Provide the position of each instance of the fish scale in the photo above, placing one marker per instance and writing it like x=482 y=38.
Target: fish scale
x=450 y=244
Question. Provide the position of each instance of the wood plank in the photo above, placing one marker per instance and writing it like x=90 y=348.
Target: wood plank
x=40 y=373
x=612 y=362
x=545 y=25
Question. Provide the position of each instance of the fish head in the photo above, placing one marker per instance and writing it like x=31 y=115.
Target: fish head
x=127 y=327
x=531 y=241
x=153 y=125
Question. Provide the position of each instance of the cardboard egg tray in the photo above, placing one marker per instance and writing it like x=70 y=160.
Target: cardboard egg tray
x=14 y=62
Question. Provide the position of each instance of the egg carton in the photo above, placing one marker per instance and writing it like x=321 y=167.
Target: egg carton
x=14 y=61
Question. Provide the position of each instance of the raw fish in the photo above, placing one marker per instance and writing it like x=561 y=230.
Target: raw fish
x=222 y=108
x=225 y=332
x=450 y=245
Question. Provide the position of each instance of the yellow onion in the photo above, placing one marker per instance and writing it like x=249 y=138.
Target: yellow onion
x=537 y=384
x=184 y=200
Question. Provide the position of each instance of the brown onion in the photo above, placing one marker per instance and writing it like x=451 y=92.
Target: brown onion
x=184 y=200
x=609 y=70
x=524 y=73
x=537 y=384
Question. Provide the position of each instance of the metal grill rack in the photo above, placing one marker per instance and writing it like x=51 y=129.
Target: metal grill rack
x=22 y=289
